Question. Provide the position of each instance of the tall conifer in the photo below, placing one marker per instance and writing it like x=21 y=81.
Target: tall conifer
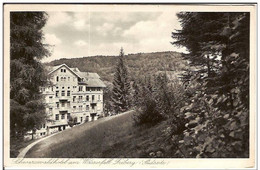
x=121 y=86
x=27 y=110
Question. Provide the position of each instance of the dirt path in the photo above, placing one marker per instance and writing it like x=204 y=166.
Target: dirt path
x=39 y=148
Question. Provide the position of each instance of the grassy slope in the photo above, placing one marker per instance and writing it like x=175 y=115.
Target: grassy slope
x=114 y=138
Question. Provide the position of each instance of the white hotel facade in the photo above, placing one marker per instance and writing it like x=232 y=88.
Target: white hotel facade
x=71 y=93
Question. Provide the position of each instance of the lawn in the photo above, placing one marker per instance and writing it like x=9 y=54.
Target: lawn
x=113 y=137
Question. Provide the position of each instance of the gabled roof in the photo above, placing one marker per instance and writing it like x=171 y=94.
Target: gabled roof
x=59 y=66
x=88 y=78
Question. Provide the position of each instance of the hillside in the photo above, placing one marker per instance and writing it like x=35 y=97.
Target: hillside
x=105 y=138
x=140 y=64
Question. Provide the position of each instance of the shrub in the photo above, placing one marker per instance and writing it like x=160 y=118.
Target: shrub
x=148 y=114
x=71 y=121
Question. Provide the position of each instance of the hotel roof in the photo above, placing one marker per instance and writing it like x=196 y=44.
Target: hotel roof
x=88 y=78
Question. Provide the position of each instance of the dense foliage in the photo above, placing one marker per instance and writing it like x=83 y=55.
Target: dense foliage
x=217 y=109
x=157 y=98
x=27 y=74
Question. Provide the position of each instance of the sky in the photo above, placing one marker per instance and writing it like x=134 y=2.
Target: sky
x=82 y=34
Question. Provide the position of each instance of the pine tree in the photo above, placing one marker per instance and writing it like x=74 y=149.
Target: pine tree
x=27 y=110
x=224 y=92
x=136 y=92
x=121 y=86
x=200 y=34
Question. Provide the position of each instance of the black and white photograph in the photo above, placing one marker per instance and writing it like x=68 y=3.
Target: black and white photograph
x=160 y=83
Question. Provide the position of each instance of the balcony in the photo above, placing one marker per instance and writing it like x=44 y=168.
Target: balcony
x=64 y=97
x=64 y=108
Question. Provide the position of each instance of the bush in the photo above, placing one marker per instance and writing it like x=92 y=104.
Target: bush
x=72 y=121
x=148 y=114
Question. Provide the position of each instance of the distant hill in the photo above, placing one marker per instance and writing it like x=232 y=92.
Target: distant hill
x=139 y=65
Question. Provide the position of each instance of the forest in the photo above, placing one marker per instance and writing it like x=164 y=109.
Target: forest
x=138 y=64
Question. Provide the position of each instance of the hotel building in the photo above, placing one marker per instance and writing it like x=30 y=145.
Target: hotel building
x=71 y=93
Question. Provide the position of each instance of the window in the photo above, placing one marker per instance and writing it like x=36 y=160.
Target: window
x=64 y=70
x=63 y=93
x=92 y=107
x=43 y=126
x=57 y=117
x=80 y=88
x=68 y=104
x=61 y=70
x=68 y=87
x=74 y=107
x=63 y=87
x=57 y=87
x=99 y=97
x=63 y=116
x=80 y=98
x=87 y=107
x=62 y=104
x=61 y=79
x=87 y=98
x=93 y=89
x=93 y=97
x=68 y=115
x=64 y=78
x=57 y=93
x=50 y=110
x=57 y=78
x=74 y=98
x=57 y=104
x=68 y=78
x=50 y=98
x=68 y=93
x=81 y=119
x=80 y=107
